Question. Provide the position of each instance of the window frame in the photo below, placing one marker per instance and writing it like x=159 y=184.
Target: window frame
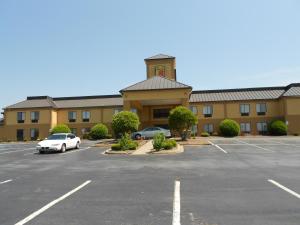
x=36 y=132
x=210 y=127
x=161 y=113
x=245 y=126
x=71 y=119
x=259 y=109
x=194 y=109
x=264 y=126
x=23 y=117
x=86 y=119
x=34 y=119
x=243 y=110
x=210 y=113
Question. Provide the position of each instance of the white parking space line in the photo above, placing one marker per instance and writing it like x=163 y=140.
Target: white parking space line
x=7 y=152
x=6 y=181
x=77 y=150
x=254 y=145
x=285 y=188
x=176 y=204
x=218 y=147
x=49 y=205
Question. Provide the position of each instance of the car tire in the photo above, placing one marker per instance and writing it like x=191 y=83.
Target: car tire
x=63 y=148
x=41 y=152
x=137 y=136
x=77 y=145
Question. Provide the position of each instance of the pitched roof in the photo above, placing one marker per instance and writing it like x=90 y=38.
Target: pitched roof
x=89 y=101
x=34 y=102
x=237 y=94
x=160 y=56
x=69 y=102
x=156 y=83
x=294 y=90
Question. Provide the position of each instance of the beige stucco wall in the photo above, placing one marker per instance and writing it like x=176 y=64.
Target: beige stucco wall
x=169 y=65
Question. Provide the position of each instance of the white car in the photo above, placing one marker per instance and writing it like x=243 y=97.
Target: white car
x=59 y=142
x=150 y=132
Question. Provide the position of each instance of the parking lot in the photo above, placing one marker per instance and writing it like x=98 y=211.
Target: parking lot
x=238 y=181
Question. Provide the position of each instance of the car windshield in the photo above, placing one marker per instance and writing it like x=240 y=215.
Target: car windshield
x=57 y=137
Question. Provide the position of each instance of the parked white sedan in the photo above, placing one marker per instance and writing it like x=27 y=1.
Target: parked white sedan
x=150 y=132
x=59 y=142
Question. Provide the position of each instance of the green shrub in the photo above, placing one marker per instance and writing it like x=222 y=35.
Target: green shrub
x=229 y=128
x=99 y=131
x=60 y=128
x=126 y=143
x=116 y=147
x=125 y=122
x=205 y=134
x=169 y=144
x=108 y=136
x=181 y=119
x=277 y=127
x=133 y=145
x=158 y=140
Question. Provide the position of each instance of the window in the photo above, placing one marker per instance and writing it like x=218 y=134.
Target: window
x=134 y=110
x=34 y=116
x=194 y=109
x=261 y=109
x=71 y=136
x=73 y=131
x=161 y=113
x=207 y=111
x=34 y=134
x=72 y=117
x=209 y=128
x=245 y=127
x=245 y=109
x=194 y=129
x=21 y=117
x=116 y=111
x=262 y=127
x=86 y=115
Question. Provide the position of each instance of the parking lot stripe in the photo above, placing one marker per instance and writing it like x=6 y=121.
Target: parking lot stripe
x=265 y=149
x=217 y=146
x=7 y=152
x=285 y=188
x=176 y=204
x=49 y=205
x=6 y=181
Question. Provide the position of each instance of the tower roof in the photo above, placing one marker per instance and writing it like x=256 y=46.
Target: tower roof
x=160 y=56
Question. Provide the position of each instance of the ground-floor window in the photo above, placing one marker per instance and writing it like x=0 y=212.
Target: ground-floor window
x=262 y=127
x=161 y=113
x=20 y=134
x=73 y=131
x=209 y=128
x=117 y=110
x=34 y=133
x=85 y=130
x=245 y=127
x=134 y=110
x=194 y=130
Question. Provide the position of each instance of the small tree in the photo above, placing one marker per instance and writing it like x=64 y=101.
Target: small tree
x=229 y=128
x=277 y=127
x=60 y=128
x=125 y=122
x=98 y=131
x=181 y=119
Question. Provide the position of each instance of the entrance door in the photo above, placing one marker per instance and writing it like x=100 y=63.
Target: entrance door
x=20 y=134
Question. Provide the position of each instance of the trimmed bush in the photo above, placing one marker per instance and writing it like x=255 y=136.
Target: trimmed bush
x=99 y=131
x=158 y=140
x=169 y=144
x=60 y=128
x=205 y=134
x=116 y=147
x=133 y=145
x=181 y=119
x=126 y=143
x=125 y=122
x=277 y=127
x=229 y=128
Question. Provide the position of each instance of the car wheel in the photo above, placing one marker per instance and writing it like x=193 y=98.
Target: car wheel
x=41 y=152
x=63 y=148
x=137 y=136
x=77 y=145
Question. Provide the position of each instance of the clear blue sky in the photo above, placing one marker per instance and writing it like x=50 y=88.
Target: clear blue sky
x=71 y=47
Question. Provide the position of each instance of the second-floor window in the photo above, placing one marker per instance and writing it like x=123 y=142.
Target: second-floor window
x=261 y=109
x=245 y=109
x=34 y=116
x=207 y=111
x=245 y=127
x=72 y=116
x=21 y=117
x=194 y=109
x=86 y=115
